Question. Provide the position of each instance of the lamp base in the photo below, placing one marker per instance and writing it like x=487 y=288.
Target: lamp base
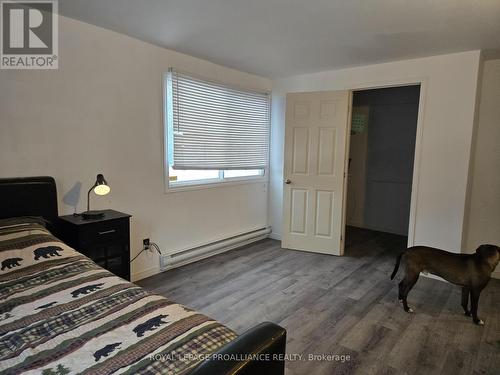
x=92 y=215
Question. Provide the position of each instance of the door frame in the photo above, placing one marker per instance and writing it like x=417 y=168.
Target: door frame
x=422 y=81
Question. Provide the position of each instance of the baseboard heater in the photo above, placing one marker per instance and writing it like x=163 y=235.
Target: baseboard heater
x=169 y=261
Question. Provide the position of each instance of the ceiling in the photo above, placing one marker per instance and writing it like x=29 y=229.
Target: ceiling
x=278 y=38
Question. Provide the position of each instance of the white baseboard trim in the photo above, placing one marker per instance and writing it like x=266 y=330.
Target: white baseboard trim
x=275 y=236
x=145 y=273
x=431 y=276
x=201 y=252
x=170 y=261
x=204 y=256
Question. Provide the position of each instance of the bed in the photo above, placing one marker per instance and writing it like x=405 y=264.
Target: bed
x=60 y=313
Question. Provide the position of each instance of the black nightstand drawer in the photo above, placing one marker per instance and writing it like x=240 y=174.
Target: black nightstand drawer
x=104 y=231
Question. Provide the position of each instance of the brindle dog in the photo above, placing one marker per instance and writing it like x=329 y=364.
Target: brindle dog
x=471 y=271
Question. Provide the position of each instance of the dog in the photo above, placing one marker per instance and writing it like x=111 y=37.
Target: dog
x=471 y=271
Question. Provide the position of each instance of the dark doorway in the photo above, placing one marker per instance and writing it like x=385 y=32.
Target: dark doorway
x=382 y=150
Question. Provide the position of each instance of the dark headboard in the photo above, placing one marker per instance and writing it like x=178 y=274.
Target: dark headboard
x=28 y=196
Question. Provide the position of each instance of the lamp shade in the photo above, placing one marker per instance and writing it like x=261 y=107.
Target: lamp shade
x=101 y=187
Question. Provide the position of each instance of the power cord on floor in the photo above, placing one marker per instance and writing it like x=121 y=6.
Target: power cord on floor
x=151 y=245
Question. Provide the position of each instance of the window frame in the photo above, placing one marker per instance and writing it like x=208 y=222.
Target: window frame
x=206 y=183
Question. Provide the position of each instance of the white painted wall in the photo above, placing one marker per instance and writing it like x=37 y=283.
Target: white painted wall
x=484 y=215
x=450 y=83
x=102 y=112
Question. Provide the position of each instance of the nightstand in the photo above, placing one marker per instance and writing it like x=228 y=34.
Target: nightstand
x=106 y=240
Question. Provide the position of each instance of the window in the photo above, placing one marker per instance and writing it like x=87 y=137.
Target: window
x=215 y=133
x=196 y=177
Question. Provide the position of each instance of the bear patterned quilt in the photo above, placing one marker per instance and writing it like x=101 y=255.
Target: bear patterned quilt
x=60 y=313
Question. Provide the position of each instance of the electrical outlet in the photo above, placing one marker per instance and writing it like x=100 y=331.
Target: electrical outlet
x=145 y=244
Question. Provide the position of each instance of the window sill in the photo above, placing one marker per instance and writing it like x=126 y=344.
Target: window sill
x=180 y=187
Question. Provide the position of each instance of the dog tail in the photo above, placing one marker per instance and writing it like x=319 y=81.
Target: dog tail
x=396 y=267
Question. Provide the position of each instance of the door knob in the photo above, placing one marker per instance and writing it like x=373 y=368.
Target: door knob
x=288 y=181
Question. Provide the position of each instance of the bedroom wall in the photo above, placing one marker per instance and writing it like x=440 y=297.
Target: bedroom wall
x=102 y=112
x=484 y=214
x=448 y=117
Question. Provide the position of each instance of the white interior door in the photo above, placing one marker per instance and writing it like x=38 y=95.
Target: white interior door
x=314 y=171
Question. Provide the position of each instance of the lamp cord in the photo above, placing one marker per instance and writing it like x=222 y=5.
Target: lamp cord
x=151 y=245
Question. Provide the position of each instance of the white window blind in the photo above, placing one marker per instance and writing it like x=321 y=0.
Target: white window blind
x=213 y=126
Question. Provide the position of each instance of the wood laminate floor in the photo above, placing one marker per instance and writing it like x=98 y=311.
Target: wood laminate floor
x=342 y=305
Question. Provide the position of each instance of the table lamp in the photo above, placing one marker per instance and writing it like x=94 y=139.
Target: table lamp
x=100 y=188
